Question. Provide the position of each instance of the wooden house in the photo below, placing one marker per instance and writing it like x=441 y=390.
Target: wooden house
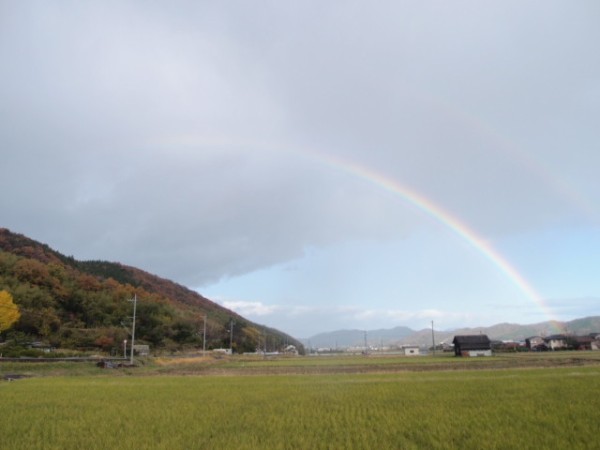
x=472 y=345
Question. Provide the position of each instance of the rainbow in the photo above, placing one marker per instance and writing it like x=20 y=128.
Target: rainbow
x=413 y=198
x=443 y=217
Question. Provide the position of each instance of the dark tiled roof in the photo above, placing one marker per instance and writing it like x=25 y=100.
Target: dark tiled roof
x=472 y=339
x=555 y=337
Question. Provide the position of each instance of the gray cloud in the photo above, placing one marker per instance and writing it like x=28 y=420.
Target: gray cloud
x=162 y=136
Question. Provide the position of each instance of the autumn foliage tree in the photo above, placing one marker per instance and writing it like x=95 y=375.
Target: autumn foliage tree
x=9 y=312
x=46 y=296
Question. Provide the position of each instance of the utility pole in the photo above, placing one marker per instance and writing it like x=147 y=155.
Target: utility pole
x=366 y=349
x=432 y=338
x=231 y=337
x=134 y=300
x=204 y=338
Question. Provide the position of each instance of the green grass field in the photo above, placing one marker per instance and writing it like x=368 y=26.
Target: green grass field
x=504 y=408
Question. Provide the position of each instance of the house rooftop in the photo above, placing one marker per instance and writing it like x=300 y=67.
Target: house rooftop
x=471 y=339
x=555 y=337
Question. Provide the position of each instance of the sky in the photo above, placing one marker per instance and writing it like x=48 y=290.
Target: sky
x=315 y=166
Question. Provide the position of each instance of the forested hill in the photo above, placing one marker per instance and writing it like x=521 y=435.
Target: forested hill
x=84 y=304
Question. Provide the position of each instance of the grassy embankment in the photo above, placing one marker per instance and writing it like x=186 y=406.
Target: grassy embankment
x=553 y=407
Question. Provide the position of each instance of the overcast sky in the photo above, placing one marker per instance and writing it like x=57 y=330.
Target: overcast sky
x=239 y=148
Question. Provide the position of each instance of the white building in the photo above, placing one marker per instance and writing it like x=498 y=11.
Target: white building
x=410 y=350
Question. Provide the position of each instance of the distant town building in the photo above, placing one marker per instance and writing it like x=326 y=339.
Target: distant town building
x=556 y=342
x=581 y=342
x=535 y=343
x=291 y=350
x=595 y=344
x=506 y=346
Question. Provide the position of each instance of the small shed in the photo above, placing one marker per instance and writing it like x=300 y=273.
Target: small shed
x=141 y=349
x=472 y=345
x=224 y=351
x=411 y=350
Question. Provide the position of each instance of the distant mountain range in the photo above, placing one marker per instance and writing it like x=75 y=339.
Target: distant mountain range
x=423 y=338
x=356 y=338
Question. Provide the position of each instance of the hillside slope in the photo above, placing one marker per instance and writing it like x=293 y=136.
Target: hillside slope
x=84 y=304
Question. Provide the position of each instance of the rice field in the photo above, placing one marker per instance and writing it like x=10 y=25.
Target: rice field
x=552 y=408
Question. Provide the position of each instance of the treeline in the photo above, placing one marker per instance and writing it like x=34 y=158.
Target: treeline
x=84 y=305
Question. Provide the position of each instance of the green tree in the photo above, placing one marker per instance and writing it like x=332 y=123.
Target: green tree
x=9 y=312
